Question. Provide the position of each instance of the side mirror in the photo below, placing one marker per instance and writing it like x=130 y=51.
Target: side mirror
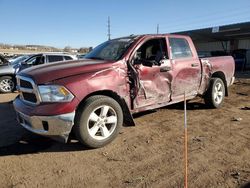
x=23 y=63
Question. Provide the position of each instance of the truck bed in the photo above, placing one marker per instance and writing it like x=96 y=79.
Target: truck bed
x=225 y=63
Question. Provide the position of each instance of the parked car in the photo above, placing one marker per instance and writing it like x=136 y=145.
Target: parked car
x=9 y=70
x=95 y=96
x=13 y=58
x=81 y=56
x=42 y=58
x=7 y=74
x=3 y=60
x=18 y=59
x=242 y=59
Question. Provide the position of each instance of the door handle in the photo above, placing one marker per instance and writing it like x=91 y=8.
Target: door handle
x=194 y=65
x=165 y=69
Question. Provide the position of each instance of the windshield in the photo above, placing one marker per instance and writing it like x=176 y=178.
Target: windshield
x=110 y=50
x=20 y=59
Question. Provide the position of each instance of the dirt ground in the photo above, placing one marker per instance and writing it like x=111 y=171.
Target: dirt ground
x=147 y=155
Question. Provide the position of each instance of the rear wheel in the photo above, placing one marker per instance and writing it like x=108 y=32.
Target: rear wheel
x=98 y=121
x=215 y=93
x=7 y=84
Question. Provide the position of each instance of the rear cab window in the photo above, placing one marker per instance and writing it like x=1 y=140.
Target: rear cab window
x=54 y=58
x=180 y=48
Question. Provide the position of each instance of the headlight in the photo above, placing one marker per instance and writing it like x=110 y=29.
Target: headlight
x=55 y=93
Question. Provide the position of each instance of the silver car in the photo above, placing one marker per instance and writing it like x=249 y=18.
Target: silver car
x=8 y=71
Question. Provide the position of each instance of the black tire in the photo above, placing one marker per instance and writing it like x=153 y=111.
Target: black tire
x=7 y=84
x=84 y=123
x=214 y=97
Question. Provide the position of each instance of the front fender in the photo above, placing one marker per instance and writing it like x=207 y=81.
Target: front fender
x=113 y=78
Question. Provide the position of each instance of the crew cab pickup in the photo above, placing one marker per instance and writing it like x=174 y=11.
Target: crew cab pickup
x=95 y=96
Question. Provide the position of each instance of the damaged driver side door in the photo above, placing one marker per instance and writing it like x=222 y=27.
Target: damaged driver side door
x=152 y=66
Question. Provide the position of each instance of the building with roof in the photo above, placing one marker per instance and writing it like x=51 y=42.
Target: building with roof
x=233 y=39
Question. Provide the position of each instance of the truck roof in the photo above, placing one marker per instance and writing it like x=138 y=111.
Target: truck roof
x=151 y=35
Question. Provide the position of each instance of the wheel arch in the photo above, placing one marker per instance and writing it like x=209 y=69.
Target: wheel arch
x=11 y=75
x=221 y=75
x=128 y=118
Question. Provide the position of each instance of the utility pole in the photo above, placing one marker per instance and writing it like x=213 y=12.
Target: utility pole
x=157 y=30
x=109 y=28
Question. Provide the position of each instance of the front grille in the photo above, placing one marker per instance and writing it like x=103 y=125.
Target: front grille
x=30 y=97
x=28 y=90
x=25 y=84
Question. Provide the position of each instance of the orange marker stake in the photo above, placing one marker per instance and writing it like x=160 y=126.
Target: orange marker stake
x=185 y=143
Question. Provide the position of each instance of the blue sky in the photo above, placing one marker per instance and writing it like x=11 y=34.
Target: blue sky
x=80 y=23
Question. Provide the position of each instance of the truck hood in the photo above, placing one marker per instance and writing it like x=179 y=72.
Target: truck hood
x=43 y=74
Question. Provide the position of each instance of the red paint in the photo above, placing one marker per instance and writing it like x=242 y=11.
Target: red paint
x=155 y=89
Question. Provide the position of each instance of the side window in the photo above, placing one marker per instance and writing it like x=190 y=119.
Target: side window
x=154 y=49
x=54 y=58
x=37 y=60
x=180 y=48
x=31 y=60
x=67 y=58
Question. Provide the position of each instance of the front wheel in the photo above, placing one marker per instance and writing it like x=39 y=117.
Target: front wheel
x=215 y=93
x=7 y=84
x=98 y=122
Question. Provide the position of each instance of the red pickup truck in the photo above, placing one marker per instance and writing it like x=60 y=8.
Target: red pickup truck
x=95 y=96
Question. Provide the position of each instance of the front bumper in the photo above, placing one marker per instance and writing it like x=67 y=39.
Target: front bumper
x=56 y=127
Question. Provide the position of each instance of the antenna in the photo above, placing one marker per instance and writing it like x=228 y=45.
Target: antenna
x=157 y=30
x=109 y=28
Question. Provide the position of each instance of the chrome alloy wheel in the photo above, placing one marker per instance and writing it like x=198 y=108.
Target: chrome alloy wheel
x=102 y=122
x=6 y=85
x=218 y=93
